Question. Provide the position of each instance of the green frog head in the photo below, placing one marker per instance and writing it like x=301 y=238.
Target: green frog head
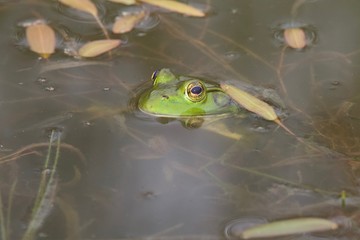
x=184 y=97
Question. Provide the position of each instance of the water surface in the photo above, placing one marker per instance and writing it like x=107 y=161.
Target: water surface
x=123 y=175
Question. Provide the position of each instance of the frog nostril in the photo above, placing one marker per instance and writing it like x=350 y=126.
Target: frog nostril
x=165 y=96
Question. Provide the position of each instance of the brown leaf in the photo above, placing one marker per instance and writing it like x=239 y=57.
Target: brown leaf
x=96 y=48
x=289 y=227
x=41 y=39
x=295 y=38
x=255 y=105
x=250 y=102
x=126 y=2
x=82 y=5
x=176 y=7
x=88 y=7
x=126 y=23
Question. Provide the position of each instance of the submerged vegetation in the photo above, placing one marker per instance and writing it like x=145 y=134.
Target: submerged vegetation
x=44 y=199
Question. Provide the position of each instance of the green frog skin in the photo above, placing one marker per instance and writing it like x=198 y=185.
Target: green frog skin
x=184 y=97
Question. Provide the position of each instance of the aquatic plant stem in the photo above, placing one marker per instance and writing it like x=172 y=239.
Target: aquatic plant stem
x=9 y=208
x=2 y=222
x=45 y=194
x=19 y=153
x=41 y=188
x=101 y=25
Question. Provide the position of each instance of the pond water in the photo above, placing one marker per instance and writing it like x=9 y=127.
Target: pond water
x=115 y=173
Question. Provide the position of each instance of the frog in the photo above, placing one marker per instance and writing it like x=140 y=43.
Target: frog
x=188 y=98
x=192 y=100
x=183 y=97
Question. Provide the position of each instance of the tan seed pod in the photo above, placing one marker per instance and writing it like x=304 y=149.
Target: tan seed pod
x=41 y=39
x=295 y=38
x=250 y=102
x=98 y=47
x=126 y=23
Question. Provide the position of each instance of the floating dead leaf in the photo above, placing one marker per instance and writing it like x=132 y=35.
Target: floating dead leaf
x=176 y=7
x=288 y=227
x=250 y=102
x=255 y=105
x=96 y=48
x=295 y=38
x=82 y=5
x=126 y=23
x=88 y=7
x=41 y=39
x=126 y=2
x=261 y=108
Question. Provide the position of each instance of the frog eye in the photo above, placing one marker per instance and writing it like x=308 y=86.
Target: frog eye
x=154 y=75
x=195 y=91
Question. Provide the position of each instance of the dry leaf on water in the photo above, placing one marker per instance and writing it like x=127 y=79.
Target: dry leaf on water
x=176 y=7
x=255 y=105
x=82 y=5
x=126 y=2
x=295 y=38
x=96 y=48
x=289 y=227
x=126 y=23
x=41 y=39
x=250 y=102
x=88 y=7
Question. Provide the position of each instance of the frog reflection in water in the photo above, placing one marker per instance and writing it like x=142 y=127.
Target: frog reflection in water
x=186 y=98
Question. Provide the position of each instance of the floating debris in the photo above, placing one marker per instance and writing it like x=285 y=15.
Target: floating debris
x=236 y=227
x=96 y=48
x=67 y=64
x=82 y=5
x=126 y=2
x=257 y=106
x=250 y=102
x=88 y=7
x=126 y=23
x=295 y=35
x=295 y=38
x=288 y=227
x=176 y=7
x=41 y=39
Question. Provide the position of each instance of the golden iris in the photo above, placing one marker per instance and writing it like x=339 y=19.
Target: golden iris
x=195 y=91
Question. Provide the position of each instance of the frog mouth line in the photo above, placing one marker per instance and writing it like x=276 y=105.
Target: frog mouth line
x=186 y=116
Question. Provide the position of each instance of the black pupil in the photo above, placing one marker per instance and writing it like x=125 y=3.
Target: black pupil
x=154 y=75
x=196 y=90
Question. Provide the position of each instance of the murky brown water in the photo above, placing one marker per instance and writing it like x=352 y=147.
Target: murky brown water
x=123 y=175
